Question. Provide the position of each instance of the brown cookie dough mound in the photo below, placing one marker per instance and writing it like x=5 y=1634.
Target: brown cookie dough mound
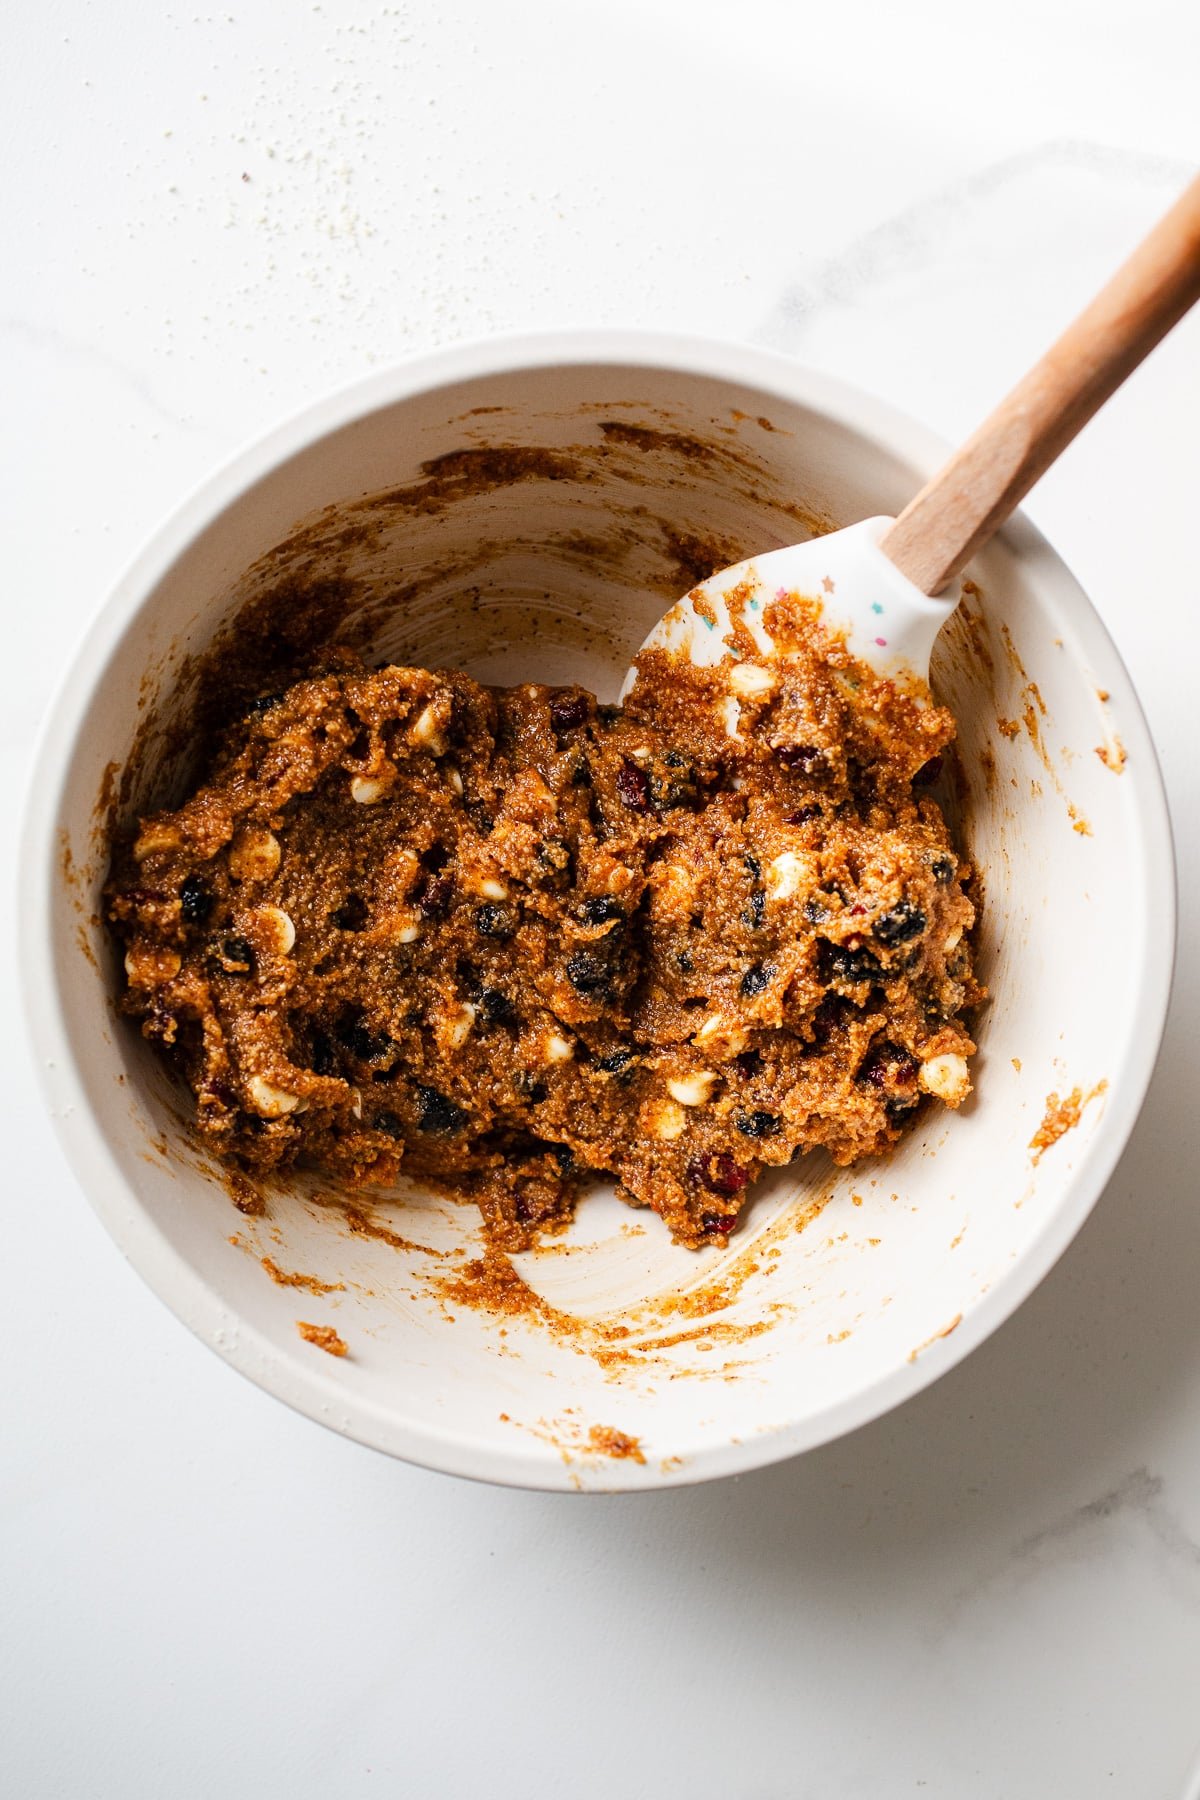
x=514 y=938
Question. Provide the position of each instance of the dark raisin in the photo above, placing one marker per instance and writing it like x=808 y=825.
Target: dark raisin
x=554 y=860
x=588 y=973
x=901 y=924
x=804 y=757
x=581 y=773
x=616 y=1061
x=803 y=816
x=757 y=979
x=389 y=1124
x=928 y=773
x=633 y=786
x=815 y=911
x=717 y=1171
x=748 y=1064
x=840 y=962
x=234 y=954
x=828 y=1017
x=684 y=963
x=757 y=1124
x=756 y=911
x=564 y=1156
x=493 y=921
x=497 y=1008
x=195 y=900
x=600 y=911
x=432 y=898
x=367 y=1045
x=567 y=711
x=322 y=1058
x=901 y=1108
x=352 y=914
x=943 y=870
x=438 y=1114
x=263 y=704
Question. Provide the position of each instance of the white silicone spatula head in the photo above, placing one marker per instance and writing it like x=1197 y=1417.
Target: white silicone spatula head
x=874 y=580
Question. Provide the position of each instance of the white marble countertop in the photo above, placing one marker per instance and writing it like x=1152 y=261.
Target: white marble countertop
x=214 y=216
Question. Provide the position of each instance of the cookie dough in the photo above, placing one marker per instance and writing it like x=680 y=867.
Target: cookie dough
x=512 y=940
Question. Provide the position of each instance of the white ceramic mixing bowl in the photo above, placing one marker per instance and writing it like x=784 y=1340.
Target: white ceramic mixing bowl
x=627 y=461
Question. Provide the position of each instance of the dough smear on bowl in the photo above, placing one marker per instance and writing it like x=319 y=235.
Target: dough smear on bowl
x=509 y=939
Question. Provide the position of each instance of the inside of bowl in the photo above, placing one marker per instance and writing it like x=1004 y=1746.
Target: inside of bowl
x=532 y=525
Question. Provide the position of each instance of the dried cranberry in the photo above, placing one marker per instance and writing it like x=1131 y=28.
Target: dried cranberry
x=432 y=898
x=568 y=711
x=717 y=1171
x=717 y=1224
x=888 y=1065
x=804 y=757
x=633 y=786
x=804 y=815
x=928 y=773
x=828 y=1017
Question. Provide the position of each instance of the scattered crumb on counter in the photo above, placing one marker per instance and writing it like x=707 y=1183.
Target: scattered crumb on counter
x=323 y=1336
x=1112 y=754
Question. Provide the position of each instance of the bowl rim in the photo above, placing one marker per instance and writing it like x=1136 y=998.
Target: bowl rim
x=167 y=1272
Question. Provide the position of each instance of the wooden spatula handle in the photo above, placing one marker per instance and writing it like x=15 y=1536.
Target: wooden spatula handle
x=971 y=495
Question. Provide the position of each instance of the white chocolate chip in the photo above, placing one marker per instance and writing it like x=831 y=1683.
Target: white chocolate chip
x=692 y=1090
x=272 y=1102
x=752 y=681
x=669 y=1121
x=367 y=789
x=642 y=754
x=254 y=854
x=947 y=1077
x=356 y=1102
x=408 y=934
x=557 y=1049
x=730 y=712
x=153 y=838
x=717 y=1029
x=277 y=929
x=427 y=731
x=491 y=889
x=459 y=1028
x=148 y=967
x=783 y=875
x=954 y=939
x=456 y=782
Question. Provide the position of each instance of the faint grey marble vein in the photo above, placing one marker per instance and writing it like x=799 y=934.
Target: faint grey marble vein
x=1079 y=1532
x=53 y=341
x=903 y=241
